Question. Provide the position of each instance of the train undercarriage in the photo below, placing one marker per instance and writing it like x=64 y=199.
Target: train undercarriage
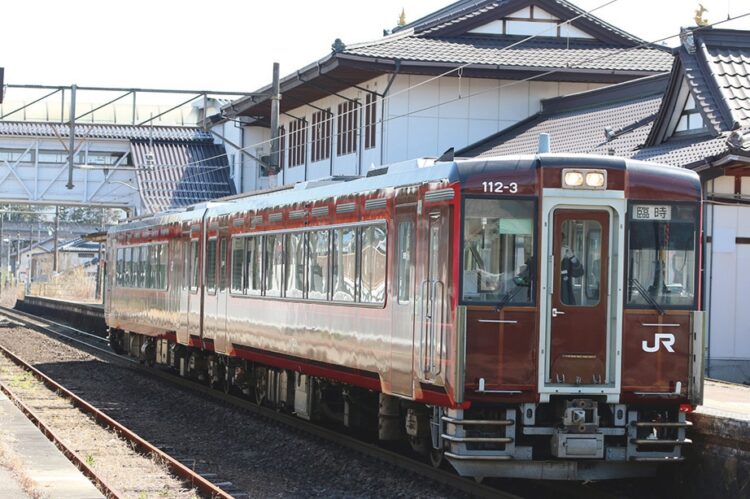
x=569 y=438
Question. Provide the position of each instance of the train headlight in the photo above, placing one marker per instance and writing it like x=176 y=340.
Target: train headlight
x=595 y=179
x=584 y=179
x=572 y=178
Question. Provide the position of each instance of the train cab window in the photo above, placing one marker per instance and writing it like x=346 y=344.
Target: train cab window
x=238 y=262
x=373 y=270
x=580 y=262
x=253 y=265
x=194 y=265
x=294 y=286
x=317 y=265
x=344 y=264
x=274 y=264
x=661 y=255
x=405 y=257
x=211 y=266
x=498 y=261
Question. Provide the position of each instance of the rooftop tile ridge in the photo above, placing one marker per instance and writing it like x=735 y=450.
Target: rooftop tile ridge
x=380 y=41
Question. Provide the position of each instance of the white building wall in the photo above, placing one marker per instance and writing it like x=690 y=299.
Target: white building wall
x=727 y=265
x=420 y=116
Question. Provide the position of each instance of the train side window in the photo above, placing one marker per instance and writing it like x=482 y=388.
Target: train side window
x=211 y=266
x=120 y=266
x=253 y=266
x=238 y=264
x=405 y=257
x=163 y=266
x=223 y=264
x=137 y=267
x=372 y=274
x=150 y=261
x=317 y=265
x=128 y=267
x=295 y=265
x=194 y=265
x=344 y=264
x=274 y=264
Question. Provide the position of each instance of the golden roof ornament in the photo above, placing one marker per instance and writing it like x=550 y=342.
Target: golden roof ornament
x=699 y=19
x=402 y=18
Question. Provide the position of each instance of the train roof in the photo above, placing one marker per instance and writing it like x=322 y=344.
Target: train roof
x=406 y=174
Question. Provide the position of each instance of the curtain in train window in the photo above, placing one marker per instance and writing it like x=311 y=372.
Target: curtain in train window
x=238 y=260
x=661 y=255
x=498 y=251
x=253 y=265
x=373 y=264
x=295 y=265
x=344 y=263
x=274 y=264
x=317 y=267
x=211 y=265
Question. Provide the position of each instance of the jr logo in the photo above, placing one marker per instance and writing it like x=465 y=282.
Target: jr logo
x=666 y=339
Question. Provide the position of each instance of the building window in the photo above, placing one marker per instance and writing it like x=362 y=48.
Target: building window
x=320 y=131
x=691 y=119
x=297 y=142
x=370 y=119
x=346 y=142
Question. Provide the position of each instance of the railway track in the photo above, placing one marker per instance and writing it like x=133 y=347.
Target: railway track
x=178 y=469
x=99 y=346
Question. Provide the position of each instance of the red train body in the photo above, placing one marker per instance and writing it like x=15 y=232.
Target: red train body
x=533 y=316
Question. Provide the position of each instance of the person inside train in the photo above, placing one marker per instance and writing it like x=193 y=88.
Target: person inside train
x=570 y=268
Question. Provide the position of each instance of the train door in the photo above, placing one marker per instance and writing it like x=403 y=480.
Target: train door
x=579 y=310
x=433 y=314
x=403 y=302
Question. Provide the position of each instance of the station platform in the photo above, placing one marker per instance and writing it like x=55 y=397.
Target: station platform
x=49 y=472
x=88 y=316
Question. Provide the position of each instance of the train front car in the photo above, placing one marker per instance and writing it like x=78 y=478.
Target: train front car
x=578 y=307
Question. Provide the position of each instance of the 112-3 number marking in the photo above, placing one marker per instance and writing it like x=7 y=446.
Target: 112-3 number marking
x=499 y=187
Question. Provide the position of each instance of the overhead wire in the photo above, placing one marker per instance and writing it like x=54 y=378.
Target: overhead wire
x=442 y=103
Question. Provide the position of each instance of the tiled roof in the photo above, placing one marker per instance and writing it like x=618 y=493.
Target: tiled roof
x=97 y=131
x=685 y=152
x=465 y=10
x=730 y=67
x=184 y=173
x=578 y=123
x=553 y=53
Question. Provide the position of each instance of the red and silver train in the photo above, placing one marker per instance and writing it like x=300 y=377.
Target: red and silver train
x=526 y=316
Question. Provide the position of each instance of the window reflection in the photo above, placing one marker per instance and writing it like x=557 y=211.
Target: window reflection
x=498 y=251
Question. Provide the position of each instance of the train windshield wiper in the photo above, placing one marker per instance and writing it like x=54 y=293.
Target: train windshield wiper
x=507 y=297
x=646 y=295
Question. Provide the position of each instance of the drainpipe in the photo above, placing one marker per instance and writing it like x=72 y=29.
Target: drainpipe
x=382 y=110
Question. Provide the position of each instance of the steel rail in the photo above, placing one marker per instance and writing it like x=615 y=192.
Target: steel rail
x=179 y=469
x=101 y=484
x=442 y=477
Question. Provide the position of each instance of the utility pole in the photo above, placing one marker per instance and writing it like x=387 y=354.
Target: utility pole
x=72 y=143
x=275 y=98
x=57 y=228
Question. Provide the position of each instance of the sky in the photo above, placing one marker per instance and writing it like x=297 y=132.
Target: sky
x=230 y=45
